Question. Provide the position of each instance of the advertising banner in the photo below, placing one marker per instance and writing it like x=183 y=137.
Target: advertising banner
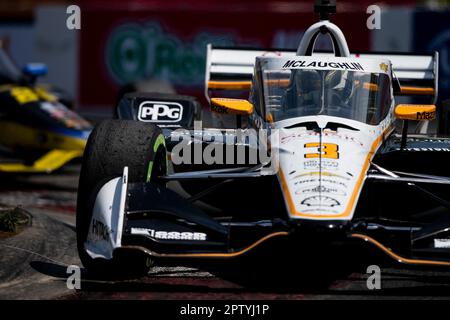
x=119 y=47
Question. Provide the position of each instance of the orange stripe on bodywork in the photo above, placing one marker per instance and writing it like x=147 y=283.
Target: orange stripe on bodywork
x=417 y=91
x=230 y=85
x=395 y=256
x=352 y=200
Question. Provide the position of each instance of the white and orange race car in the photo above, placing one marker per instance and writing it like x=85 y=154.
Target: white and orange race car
x=315 y=153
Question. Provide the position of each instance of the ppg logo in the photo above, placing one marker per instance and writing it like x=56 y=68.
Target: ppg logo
x=158 y=111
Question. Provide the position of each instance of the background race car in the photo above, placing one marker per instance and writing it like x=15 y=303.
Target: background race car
x=37 y=128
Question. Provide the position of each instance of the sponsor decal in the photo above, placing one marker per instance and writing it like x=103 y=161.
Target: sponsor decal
x=442 y=243
x=320 y=201
x=309 y=133
x=321 y=173
x=425 y=115
x=342 y=137
x=339 y=183
x=60 y=113
x=295 y=136
x=321 y=189
x=328 y=181
x=170 y=235
x=323 y=163
x=156 y=111
x=322 y=211
x=322 y=64
x=99 y=231
x=305 y=181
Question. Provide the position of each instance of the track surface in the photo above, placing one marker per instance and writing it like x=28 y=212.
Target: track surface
x=33 y=264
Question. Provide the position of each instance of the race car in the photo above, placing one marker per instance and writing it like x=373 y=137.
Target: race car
x=38 y=131
x=315 y=157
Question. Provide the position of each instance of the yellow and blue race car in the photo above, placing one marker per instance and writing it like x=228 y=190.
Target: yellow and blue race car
x=37 y=128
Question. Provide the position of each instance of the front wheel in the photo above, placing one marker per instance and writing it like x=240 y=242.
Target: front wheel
x=112 y=145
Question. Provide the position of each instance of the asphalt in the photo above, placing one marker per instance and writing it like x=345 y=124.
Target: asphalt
x=33 y=264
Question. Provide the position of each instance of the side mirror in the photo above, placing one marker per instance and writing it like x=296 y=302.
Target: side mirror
x=231 y=106
x=418 y=112
x=35 y=69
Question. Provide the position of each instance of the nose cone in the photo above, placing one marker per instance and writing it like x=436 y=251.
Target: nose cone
x=322 y=171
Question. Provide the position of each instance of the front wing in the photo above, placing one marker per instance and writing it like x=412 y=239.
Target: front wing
x=157 y=221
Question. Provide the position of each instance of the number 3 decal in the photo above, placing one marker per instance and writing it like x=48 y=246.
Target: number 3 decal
x=326 y=150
